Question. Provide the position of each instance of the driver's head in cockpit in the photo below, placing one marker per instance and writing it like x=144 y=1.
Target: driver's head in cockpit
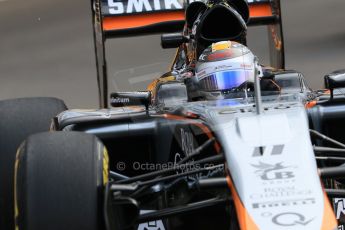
x=225 y=70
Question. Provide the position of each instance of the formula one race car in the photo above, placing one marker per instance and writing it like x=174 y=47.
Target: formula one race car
x=217 y=142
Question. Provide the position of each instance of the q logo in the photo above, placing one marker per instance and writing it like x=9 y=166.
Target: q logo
x=289 y=219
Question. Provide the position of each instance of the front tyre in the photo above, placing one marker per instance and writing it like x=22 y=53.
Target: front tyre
x=20 y=118
x=59 y=181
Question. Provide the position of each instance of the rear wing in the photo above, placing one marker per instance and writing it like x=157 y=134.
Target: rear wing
x=123 y=18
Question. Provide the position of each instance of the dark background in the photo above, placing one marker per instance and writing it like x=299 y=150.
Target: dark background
x=46 y=49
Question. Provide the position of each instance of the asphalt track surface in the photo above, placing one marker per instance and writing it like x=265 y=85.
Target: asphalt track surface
x=46 y=49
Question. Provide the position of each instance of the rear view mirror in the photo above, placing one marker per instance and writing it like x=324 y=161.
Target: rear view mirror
x=173 y=40
x=335 y=80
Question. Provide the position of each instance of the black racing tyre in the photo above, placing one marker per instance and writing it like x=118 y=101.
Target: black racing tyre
x=59 y=182
x=18 y=119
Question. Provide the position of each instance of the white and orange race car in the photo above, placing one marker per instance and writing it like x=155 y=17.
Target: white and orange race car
x=265 y=156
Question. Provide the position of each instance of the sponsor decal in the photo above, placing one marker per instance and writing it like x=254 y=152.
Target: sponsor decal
x=188 y=147
x=202 y=73
x=152 y=225
x=280 y=192
x=223 y=67
x=264 y=150
x=284 y=203
x=202 y=57
x=122 y=100
x=118 y=7
x=339 y=210
x=187 y=142
x=339 y=207
x=220 y=55
x=271 y=172
x=289 y=219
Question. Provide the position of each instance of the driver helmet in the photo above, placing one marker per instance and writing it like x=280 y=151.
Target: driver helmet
x=225 y=69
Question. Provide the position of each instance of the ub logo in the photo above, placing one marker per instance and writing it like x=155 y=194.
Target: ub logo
x=273 y=171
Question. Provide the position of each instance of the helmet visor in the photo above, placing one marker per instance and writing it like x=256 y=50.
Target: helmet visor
x=225 y=80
